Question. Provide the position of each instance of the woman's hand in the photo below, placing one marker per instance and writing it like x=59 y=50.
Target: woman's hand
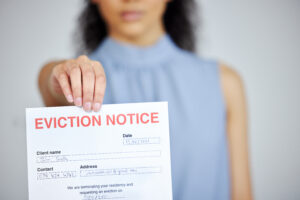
x=81 y=81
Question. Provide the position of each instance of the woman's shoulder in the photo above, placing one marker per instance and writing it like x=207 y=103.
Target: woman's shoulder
x=230 y=78
x=232 y=85
x=228 y=73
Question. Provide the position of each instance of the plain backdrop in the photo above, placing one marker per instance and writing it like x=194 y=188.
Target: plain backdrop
x=260 y=39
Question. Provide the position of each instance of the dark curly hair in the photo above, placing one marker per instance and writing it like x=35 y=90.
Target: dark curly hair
x=179 y=21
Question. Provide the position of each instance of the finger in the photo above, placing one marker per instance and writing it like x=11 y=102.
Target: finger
x=88 y=81
x=76 y=84
x=63 y=80
x=83 y=59
x=100 y=85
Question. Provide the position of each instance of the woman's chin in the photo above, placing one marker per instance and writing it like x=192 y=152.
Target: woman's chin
x=133 y=32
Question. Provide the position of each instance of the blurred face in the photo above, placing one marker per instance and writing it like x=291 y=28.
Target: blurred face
x=132 y=18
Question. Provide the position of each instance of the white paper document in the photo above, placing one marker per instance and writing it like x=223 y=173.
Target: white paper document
x=121 y=152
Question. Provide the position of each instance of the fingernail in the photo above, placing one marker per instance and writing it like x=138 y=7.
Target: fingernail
x=70 y=98
x=97 y=107
x=87 y=106
x=78 y=101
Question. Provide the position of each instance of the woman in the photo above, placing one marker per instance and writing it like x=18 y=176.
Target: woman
x=141 y=50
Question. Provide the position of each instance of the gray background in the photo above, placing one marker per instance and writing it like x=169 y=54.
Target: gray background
x=260 y=39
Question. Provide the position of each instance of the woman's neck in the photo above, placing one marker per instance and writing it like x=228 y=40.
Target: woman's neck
x=146 y=39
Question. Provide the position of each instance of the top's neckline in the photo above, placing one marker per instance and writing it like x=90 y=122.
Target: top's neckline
x=130 y=54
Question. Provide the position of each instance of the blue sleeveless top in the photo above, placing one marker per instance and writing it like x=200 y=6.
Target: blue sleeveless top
x=164 y=72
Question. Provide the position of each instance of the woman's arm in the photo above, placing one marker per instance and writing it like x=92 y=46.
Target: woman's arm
x=237 y=133
x=80 y=81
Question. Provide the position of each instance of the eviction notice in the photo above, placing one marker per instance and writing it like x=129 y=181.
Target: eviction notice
x=121 y=152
